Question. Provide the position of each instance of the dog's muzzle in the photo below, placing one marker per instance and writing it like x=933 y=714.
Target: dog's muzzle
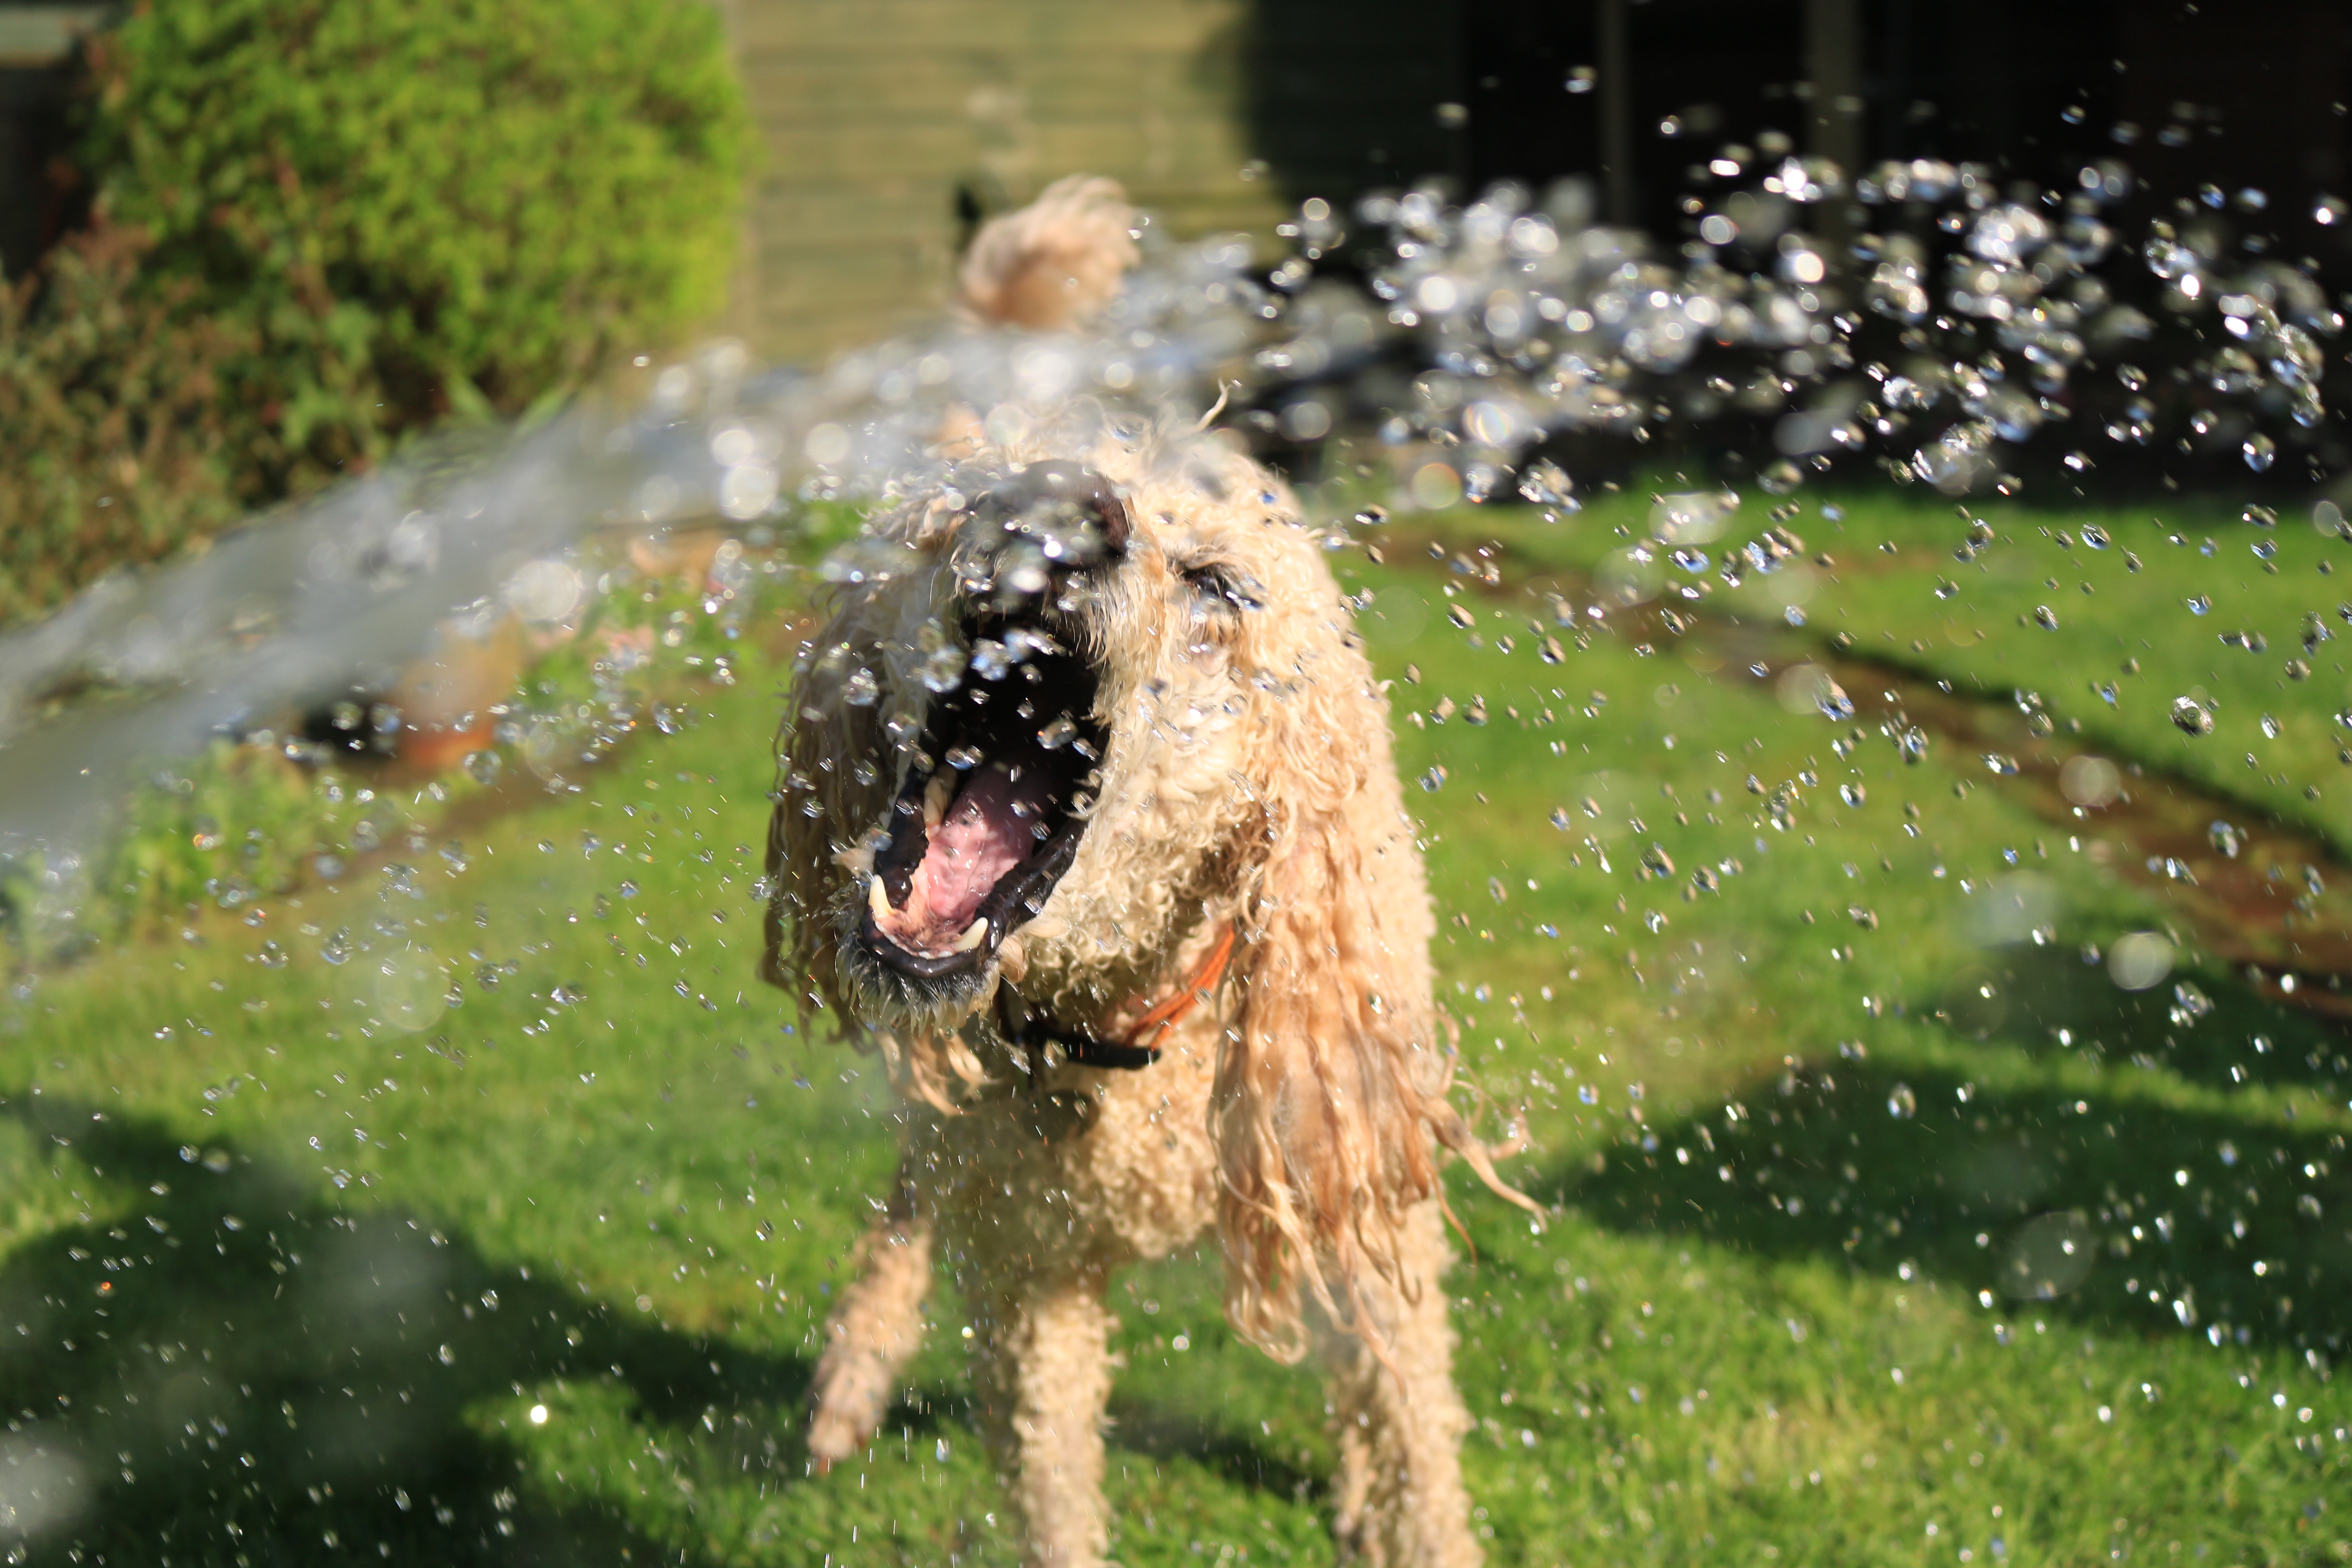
x=995 y=795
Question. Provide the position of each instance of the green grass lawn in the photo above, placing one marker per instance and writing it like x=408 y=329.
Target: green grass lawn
x=2120 y=641
x=1887 y=1226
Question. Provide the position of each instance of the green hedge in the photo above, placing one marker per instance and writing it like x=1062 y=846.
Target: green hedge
x=417 y=208
x=113 y=442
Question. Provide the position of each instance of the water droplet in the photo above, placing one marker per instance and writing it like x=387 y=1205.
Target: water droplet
x=2090 y=781
x=2200 y=603
x=2139 y=960
x=2045 y=618
x=2191 y=717
x=2048 y=1257
x=410 y=990
x=943 y=670
x=545 y=591
x=1902 y=1103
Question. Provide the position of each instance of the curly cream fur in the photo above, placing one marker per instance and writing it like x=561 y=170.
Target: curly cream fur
x=1056 y=261
x=1248 y=784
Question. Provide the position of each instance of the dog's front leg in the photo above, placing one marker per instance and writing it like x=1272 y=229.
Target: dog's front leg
x=1042 y=1371
x=1401 y=1500
x=872 y=1331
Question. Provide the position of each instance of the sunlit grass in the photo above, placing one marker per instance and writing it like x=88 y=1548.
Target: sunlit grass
x=554 y=1264
x=2123 y=643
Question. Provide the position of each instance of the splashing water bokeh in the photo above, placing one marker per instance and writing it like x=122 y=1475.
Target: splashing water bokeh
x=1485 y=335
x=2002 y=952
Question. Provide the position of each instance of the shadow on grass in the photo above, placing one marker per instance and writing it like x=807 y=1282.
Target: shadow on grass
x=2114 y=1211
x=1159 y=1433
x=242 y=1373
x=2211 y=1028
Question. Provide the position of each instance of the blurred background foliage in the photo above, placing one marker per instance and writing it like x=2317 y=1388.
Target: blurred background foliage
x=315 y=228
x=118 y=433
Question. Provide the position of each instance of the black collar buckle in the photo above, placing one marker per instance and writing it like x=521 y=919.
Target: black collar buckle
x=1032 y=1034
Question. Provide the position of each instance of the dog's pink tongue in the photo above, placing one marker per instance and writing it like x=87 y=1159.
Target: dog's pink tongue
x=980 y=838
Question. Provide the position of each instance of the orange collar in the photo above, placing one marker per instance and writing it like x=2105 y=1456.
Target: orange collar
x=1161 y=1020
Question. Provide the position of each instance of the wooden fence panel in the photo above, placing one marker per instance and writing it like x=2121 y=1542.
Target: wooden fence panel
x=875 y=114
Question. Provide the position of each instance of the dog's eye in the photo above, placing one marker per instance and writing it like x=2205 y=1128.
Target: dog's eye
x=1223 y=587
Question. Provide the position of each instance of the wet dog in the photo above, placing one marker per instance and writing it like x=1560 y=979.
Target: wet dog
x=1089 y=819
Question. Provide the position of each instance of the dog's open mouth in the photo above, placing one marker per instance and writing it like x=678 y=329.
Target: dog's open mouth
x=992 y=812
x=992 y=808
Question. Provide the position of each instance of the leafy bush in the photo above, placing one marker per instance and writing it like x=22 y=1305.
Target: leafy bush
x=418 y=208
x=116 y=448
x=228 y=826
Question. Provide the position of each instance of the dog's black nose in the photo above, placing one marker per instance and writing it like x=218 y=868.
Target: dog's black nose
x=1069 y=512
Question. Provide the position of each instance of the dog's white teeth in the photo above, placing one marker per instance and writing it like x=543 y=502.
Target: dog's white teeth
x=878 y=899
x=936 y=795
x=973 y=935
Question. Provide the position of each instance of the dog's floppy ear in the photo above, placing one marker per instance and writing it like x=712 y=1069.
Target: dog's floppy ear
x=1331 y=1087
x=1056 y=261
x=836 y=766
x=833 y=768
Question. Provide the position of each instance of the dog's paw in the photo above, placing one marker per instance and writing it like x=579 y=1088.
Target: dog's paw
x=847 y=1405
x=831 y=1440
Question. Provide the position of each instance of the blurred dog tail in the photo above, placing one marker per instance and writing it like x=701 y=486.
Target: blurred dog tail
x=1056 y=262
